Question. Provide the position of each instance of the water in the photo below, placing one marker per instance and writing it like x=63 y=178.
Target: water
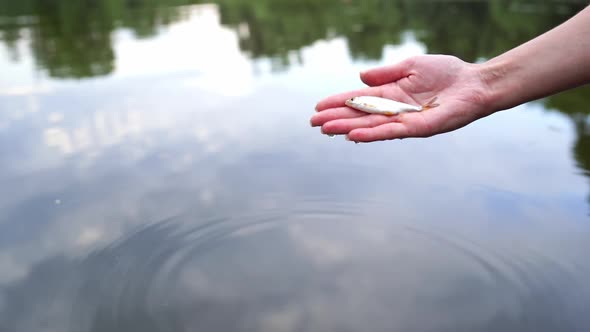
x=158 y=173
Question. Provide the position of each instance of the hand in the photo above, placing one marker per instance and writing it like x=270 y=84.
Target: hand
x=462 y=98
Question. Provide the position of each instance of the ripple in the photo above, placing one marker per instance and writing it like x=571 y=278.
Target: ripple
x=523 y=272
x=321 y=264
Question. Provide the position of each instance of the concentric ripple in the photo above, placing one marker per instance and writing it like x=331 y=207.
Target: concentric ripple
x=322 y=265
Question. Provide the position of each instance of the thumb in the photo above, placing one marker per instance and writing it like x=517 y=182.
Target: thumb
x=387 y=74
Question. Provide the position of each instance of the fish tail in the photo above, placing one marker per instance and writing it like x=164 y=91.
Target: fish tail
x=430 y=104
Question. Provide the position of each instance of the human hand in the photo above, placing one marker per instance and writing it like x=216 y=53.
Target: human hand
x=458 y=85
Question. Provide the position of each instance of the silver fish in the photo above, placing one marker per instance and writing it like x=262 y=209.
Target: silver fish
x=378 y=105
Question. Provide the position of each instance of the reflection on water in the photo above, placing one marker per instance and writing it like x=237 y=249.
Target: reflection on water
x=158 y=174
x=321 y=274
x=75 y=39
x=575 y=104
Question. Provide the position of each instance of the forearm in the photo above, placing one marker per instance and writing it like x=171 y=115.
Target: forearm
x=553 y=62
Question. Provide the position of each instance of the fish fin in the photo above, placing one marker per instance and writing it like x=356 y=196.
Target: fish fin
x=430 y=104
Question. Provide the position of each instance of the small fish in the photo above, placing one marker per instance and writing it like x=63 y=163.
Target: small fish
x=377 y=105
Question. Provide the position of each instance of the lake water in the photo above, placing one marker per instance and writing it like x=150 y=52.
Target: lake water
x=158 y=173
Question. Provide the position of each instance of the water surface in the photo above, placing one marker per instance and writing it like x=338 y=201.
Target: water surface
x=158 y=173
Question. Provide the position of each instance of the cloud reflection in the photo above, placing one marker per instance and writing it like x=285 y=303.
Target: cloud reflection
x=128 y=141
x=281 y=228
x=176 y=275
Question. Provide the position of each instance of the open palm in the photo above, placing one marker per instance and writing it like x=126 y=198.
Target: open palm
x=458 y=86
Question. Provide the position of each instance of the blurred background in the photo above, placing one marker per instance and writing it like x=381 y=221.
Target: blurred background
x=158 y=173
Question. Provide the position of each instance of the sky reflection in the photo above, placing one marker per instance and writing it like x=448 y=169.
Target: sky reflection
x=157 y=118
x=187 y=187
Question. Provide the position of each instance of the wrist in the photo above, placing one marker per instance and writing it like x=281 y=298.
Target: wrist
x=501 y=84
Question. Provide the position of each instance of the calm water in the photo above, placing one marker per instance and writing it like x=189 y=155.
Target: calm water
x=158 y=173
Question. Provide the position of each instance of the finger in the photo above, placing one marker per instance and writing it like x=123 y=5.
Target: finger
x=380 y=133
x=318 y=119
x=344 y=126
x=387 y=74
x=339 y=99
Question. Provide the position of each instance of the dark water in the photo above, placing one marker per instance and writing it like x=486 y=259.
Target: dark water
x=158 y=173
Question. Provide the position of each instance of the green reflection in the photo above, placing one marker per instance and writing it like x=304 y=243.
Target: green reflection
x=73 y=38
x=576 y=105
x=277 y=27
x=484 y=29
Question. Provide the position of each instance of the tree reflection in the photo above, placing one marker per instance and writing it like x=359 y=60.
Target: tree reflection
x=73 y=38
x=476 y=30
x=576 y=105
x=582 y=145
